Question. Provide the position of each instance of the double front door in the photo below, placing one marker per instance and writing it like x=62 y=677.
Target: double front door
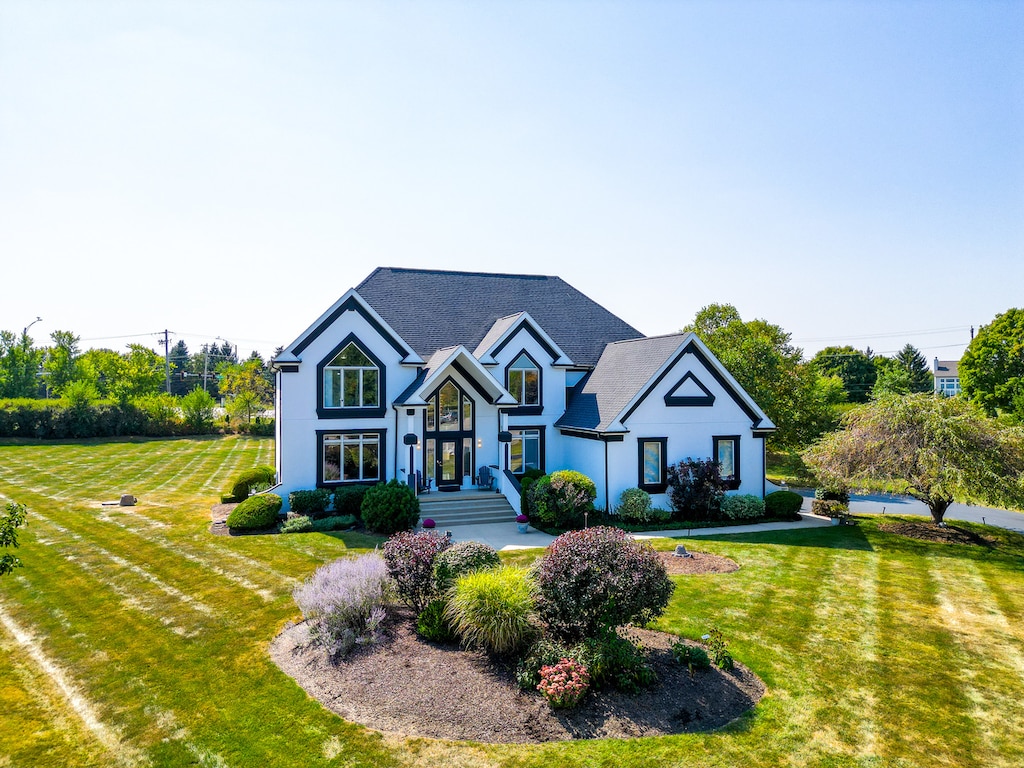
x=449 y=433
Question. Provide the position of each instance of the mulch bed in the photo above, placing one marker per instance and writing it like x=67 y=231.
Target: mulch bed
x=929 y=531
x=700 y=562
x=407 y=686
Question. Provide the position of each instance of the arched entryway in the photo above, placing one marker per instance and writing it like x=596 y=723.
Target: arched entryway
x=449 y=433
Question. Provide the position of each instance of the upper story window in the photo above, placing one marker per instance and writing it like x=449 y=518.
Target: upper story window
x=524 y=380
x=351 y=380
x=727 y=454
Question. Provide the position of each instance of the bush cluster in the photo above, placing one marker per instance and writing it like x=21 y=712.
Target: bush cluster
x=612 y=661
x=561 y=499
x=345 y=601
x=312 y=503
x=493 y=609
x=829 y=508
x=390 y=507
x=460 y=559
x=297 y=524
x=693 y=656
x=529 y=478
x=410 y=561
x=744 y=506
x=305 y=524
x=248 y=481
x=832 y=493
x=600 y=578
x=634 y=506
x=255 y=513
x=783 y=504
x=348 y=499
x=433 y=625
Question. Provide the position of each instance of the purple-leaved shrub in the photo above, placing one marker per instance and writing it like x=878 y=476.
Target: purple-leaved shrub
x=600 y=578
x=410 y=561
x=344 y=601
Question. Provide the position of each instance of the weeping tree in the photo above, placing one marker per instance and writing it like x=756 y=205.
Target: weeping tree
x=942 y=449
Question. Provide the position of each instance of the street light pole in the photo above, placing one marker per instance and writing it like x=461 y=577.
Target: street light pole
x=24 y=331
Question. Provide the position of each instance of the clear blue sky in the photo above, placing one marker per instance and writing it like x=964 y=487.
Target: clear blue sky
x=852 y=171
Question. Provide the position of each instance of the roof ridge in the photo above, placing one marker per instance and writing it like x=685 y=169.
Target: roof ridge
x=650 y=338
x=421 y=270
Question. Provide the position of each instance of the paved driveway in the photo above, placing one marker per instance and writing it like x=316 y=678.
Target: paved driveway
x=878 y=504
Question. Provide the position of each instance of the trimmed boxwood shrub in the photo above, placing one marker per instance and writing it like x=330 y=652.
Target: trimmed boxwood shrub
x=297 y=524
x=561 y=498
x=529 y=477
x=744 y=506
x=783 y=504
x=600 y=578
x=390 y=507
x=313 y=503
x=244 y=483
x=348 y=499
x=256 y=512
x=460 y=559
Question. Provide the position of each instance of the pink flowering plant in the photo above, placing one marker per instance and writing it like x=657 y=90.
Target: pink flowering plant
x=564 y=684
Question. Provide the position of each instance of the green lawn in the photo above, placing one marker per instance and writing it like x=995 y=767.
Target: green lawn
x=134 y=637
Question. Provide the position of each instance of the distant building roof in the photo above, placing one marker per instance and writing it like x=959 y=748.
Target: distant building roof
x=431 y=309
x=946 y=369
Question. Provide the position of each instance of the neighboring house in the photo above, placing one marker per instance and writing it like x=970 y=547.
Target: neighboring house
x=947 y=376
x=442 y=373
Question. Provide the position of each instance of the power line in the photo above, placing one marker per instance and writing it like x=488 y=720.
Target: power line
x=886 y=335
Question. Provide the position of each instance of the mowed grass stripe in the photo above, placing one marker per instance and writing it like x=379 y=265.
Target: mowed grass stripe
x=993 y=674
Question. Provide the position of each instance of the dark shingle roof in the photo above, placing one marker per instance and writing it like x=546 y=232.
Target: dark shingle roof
x=431 y=309
x=622 y=371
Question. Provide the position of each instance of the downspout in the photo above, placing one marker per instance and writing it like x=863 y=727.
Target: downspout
x=764 y=466
x=606 y=508
x=396 y=441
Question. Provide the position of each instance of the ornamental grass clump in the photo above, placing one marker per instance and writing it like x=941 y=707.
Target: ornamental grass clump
x=410 y=561
x=564 y=684
x=344 y=602
x=599 y=578
x=493 y=609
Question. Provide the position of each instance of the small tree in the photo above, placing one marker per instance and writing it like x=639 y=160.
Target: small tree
x=695 y=488
x=197 y=407
x=942 y=448
x=13 y=518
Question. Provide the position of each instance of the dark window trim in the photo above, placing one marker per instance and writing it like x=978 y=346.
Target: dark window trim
x=673 y=400
x=527 y=410
x=605 y=437
x=382 y=459
x=476 y=385
x=735 y=482
x=542 y=450
x=652 y=487
x=351 y=413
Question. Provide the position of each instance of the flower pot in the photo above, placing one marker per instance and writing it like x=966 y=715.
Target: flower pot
x=523 y=527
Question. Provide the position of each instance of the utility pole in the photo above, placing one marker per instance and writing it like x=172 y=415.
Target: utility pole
x=167 y=360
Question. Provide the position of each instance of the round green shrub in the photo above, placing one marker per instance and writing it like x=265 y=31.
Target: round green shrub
x=460 y=559
x=600 y=578
x=693 y=656
x=743 y=506
x=432 y=625
x=390 y=507
x=348 y=499
x=493 y=609
x=529 y=477
x=634 y=506
x=262 y=476
x=255 y=512
x=561 y=498
x=783 y=504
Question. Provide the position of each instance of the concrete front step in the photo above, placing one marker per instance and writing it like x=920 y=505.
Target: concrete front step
x=467 y=509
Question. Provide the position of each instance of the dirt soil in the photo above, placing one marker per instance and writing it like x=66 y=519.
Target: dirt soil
x=404 y=685
x=929 y=531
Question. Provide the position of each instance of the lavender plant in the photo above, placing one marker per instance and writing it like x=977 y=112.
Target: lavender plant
x=344 y=602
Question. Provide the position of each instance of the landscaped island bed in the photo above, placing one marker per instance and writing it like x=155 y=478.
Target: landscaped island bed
x=407 y=686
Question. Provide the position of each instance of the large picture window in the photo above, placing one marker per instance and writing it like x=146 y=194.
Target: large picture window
x=524 y=380
x=526 y=451
x=348 y=457
x=727 y=454
x=350 y=382
x=652 y=467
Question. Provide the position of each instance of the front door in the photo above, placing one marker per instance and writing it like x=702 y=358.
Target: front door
x=449 y=434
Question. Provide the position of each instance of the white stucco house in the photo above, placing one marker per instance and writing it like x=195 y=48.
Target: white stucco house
x=441 y=373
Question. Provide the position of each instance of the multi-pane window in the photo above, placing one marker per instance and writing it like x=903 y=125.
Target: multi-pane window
x=949 y=386
x=351 y=380
x=524 y=380
x=351 y=456
x=524 y=450
x=727 y=454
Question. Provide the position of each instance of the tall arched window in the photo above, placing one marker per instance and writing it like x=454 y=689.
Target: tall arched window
x=524 y=380
x=351 y=380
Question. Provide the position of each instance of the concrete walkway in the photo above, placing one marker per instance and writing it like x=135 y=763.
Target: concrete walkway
x=506 y=537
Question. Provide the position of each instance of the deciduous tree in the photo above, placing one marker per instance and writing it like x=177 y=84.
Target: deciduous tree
x=943 y=449
x=853 y=367
x=13 y=517
x=992 y=368
x=61 y=363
